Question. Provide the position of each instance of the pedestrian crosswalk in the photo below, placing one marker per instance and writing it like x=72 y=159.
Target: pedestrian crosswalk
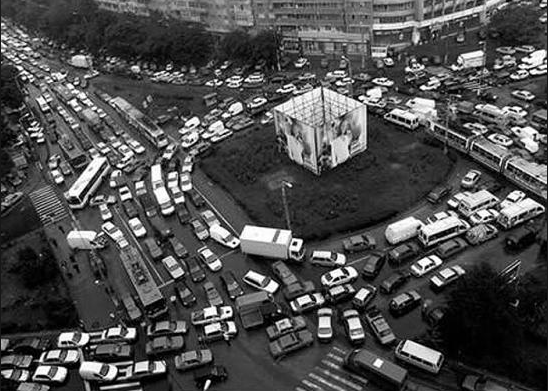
x=47 y=205
x=329 y=375
x=129 y=386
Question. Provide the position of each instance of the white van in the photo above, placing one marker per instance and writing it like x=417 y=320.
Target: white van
x=420 y=356
x=477 y=201
x=86 y=240
x=156 y=179
x=164 y=201
x=403 y=230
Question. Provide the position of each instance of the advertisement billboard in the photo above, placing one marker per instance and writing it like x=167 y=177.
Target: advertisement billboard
x=297 y=139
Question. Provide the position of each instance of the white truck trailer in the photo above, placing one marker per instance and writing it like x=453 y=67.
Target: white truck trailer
x=271 y=243
x=86 y=240
x=475 y=59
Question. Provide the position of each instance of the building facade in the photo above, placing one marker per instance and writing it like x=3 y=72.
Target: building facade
x=324 y=26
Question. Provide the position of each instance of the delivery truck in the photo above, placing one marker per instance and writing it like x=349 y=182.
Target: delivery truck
x=86 y=240
x=403 y=230
x=271 y=243
x=475 y=59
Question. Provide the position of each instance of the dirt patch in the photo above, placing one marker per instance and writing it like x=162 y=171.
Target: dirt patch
x=275 y=180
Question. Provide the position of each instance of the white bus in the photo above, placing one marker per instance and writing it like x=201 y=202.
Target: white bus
x=84 y=187
x=519 y=213
x=156 y=176
x=403 y=118
x=420 y=356
x=442 y=230
x=477 y=201
x=163 y=199
x=42 y=104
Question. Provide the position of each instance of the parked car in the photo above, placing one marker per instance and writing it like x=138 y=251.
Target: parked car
x=284 y=274
x=431 y=313
x=22 y=361
x=212 y=294
x=353 y=326
x=193 y=359
x=363 y=297
x=119 y=334
x=425 y=265
x=327 y=258
x=212 y=374
x=307 y=302
x=72 y=339
x=403 y=253
x=451 y=247
x=379 y=326
x=290 y=343
x=358 y=243
x=394 y=281
x=446 y=277
x=471 y=179
x=166 y=327
x=339 y=293
x=173 y=267
x=187 y=297
x=373 y=263
x=64 y=357
x=483 y=383
x=195 y=269
x=218 y=331
x=232 y=287
x=404 y=303
x=438 y=193
x=285 y=326
x=484 y=216
x=110 y=352
x=260 y=281
x=339 y=276
x=163 y=345
x=199 y=229
x=325 y=324
x=178 y=248
x=210 y=259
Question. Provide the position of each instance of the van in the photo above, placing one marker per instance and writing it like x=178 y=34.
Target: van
x=134 y=313
x=403 y=230
x=521 y=238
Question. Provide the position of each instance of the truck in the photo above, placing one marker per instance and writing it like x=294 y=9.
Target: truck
x=86 y=240
x=273 y=243
x=402 y=230
x=256 y=309
x=475 y=59
x=81 y=61
x=423 y=108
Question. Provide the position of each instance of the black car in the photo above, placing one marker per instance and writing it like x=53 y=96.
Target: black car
x=451 y=247
x=195 y=269
x=130 y=209
x=431 y=313
x=196 y=199
x=339 y=293
x=228 y=279
x=178 y=248
x=215 y=374
x=31 y=345
x=373 y=264
x=394 y=281
x=297 y=289
x=153 y=249
x=183 y=214
x=403 y=253
x=283 y=273
x=111 y=352
x=404 y=303
x=357 y=243
x=187 y=297
x=521 y=238
x=438 y=193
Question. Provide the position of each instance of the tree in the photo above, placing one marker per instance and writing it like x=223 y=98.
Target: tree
x=10 y=95
x=237 y=45
x=517 y=25
x=6 y=164
x=36 y=269
x=264 y=45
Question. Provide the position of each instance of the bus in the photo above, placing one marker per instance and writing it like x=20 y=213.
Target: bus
x=519 y=212
x=147 y=290
x=380 y=371
x=488 y=153
x=442 y=230
x=477 y=201
x=42 y=104
x=531 y=175
x=140 y=122
x=403 y=118
x=74 y=155
x=156 y=176
x=420 y=356
x=83 y=188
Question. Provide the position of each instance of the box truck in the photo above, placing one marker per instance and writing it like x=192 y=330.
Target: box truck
x=271 y=243
x=86 y=240
x=469 y=60
x=403 y=230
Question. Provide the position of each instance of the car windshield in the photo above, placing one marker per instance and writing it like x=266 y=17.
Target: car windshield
x=104 y=370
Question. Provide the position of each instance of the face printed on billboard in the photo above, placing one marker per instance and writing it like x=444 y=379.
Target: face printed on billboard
x=296 y=139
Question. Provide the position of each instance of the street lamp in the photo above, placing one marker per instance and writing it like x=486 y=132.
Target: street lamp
x=289 y=185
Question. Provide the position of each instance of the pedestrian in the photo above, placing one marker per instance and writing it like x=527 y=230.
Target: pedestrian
x=72 y=259
x=54 y=242
x=76 y=267
x=61 y=229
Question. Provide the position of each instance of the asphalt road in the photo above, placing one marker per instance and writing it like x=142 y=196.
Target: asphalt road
x=247 y=359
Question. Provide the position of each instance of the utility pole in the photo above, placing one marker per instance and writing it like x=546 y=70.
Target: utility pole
x=277 y=36
x=363 y=45
x=350 y=89
x=284 y=201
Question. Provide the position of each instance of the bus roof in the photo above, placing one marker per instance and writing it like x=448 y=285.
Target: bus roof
x=534 y=169
x=540 y=113
x=373 y=362
x=91 y=170
x=142 y=281
x=442 y=224
x=403 y=113
x=491 y=147
x=520 y=206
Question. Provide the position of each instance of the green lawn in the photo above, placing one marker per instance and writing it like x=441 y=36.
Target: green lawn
x=394 y=173
x=21 y=220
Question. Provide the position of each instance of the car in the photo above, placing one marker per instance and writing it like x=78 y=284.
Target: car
x=403 y=253
x=538 y=71
x=476 y=128
x=471 y=179
x=113 y=232
x=173 y=267
x=440 y=216
x=136 y=147
x=211 y=260
x=431 y=313
x=379 y=326
x=285 y=326
x=446 y=277
x=166 y=327
x=512 y=198
x=284 y=274
x=183 y=214
x=484 y=216
x=389 y=62
x=50 y=374
x=450 y=247
x=301 y=62
x=218 y=331
x=169 y=152
x=196 y=199
x=481 y=233
x=363 y=297
x=186 y=182
x=172 y=179
x=459 y=38
x=307 y=302
x=214 y=83
x=53 y=161
x=395 y=281
x=383 y=82
x=358 y=243
x=137 y=227
x=520 y=74
x=425 y=265
x=140 y=188
x=289 y=343
x=431 y=85
x=177 y=195
x=105 y=212
x=178 y=248
x=339 y=276
x=57 y=177
x=97 y=371
x=231 y=285
x=223 y=236
x=298 y=288
x=59 y=357
x=286 y=89
x=373 y=263
x=72 y=339
x=125 y=193
x=261 y=282
x=505 y=50
x=209 y=217
x=404 y=303
x=453 y=201
x=501 y=139
x=119 y=334
x=212 y=294
x=327 y=259
x=193 y=359
x=110 y=352
x=483 y=383
x=514 y=111
x=187 y=165
x=153 y=249
x=211 y=315
x=165 y=344
x=199 y=229
x=523 y=95
x=353 y=326
x=339 y=293
x=145 y=370
x=21 y=361
x=196 y=271
x=209 y=375
x=16 y=375
x=185 y=294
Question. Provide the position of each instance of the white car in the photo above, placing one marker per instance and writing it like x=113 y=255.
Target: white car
x=338 y=74
x=505 y=50
x=538 y=71
x=414 y=67
x=57 y=177
x=125 y=151
x=136 y=147
x=105 y=212
x=177 y=195
x=112 y=231
x=256 y=102
x=190 y=139
x=372 y=101
x=214 y=83
x=527 y=49
x=169 y=152
x=173 y=267
x=188 y=162
x=307 y=302
x=484 y=216
x=261 y=282
x=301 y=63
x=140 y=188
x=388 y=62
x=53 y=162
x=286 y=89
x=430 y=85
x=119 y=333
x=383 y=81
x=125 y=193
x=103 y=148
x=267 y=118
x=50 y=374
x=345 y=81
x=523 y=95
x=343 y=275
x=236 y=79
x=72 y=339
x=254 y=78
x=172 y=179
x=520 y=74
x=512 y=198
x=60 y=357
x=137 y=227
x=210 y=259
x=476 y=128
x=327 y=258
x=221 y=135
x=440 y=216
x=325 y=327
x=186 y=181
x=223 y=236
x=113 y=182
x=501 y=140
x=425 y=265
x=515 y=111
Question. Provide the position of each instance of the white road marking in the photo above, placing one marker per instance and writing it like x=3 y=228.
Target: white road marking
x=308 y=383
x=335 y=357
x=338 y=349
x=341 y=379
x=323 y=381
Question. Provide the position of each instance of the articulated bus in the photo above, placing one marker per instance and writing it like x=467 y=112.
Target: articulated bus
x=530 y=175
x=488 y=153
x=87 y=183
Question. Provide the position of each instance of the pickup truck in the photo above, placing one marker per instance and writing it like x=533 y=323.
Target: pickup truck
x=210 y=315
x=285 y=326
